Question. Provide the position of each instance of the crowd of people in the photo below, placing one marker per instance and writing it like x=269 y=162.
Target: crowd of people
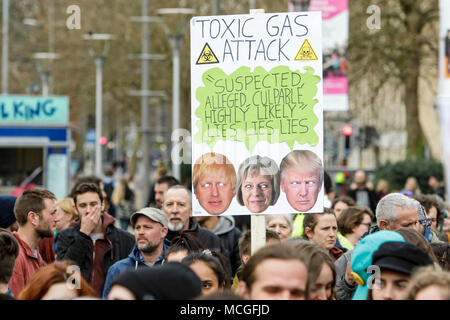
x=369 y=244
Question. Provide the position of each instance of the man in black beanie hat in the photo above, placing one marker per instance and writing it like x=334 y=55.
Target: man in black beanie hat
x=397 y=261
x=7 y=217
x=169 y=281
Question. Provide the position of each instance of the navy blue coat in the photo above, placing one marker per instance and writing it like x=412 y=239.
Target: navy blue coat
x=132 y=262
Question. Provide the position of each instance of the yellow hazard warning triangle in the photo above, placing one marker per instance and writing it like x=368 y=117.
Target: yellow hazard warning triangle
x=306 y=52
x=207 y=56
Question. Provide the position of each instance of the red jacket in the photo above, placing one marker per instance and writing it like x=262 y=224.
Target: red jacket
x=25 y=266
x=46 y=249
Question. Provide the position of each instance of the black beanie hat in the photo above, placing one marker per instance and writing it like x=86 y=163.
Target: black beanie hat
x=169 y=281
x=402 y=257
x=7 y=217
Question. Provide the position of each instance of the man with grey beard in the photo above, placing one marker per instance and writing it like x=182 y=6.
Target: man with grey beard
x=150 y=230
x=35 y=213
x=177 y=206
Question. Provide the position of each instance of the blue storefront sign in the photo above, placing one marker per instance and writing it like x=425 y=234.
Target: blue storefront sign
x=43 y=123
x=30 y=109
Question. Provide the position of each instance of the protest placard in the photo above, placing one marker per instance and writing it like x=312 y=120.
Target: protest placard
x=257 y=113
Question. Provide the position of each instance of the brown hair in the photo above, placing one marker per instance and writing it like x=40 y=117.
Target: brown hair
x=428 y=201
x=31 y=200
x=316 y=256
x=352 y=217
x=281 y=251
x=85 y=188
x=311 y=220
x=86 y=179
x=345 y=199
x=424 y=277
x=9 y=250
x=442 y=253
x=245 y=241
x=49 y=275
x=224 y=294
x=414 y=237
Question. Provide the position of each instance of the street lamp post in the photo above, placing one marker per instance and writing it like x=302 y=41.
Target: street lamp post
x=176 y=39
x=99 y=59
x=145 y=95
x=44 y=60
x=5 y=46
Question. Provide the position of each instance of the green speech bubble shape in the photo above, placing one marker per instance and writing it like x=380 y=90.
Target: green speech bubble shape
x=275 y=106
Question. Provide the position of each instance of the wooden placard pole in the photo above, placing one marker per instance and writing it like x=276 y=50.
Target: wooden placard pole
x=258 y=231
x=257 y=221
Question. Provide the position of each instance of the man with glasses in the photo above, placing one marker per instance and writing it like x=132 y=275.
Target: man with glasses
x=393 y=211
x=396 y=211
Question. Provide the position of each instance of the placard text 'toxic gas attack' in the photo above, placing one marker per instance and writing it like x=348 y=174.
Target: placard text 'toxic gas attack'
x=240 y=43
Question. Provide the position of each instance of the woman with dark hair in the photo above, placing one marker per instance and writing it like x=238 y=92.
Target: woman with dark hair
x=182 y=245
x=209 y=269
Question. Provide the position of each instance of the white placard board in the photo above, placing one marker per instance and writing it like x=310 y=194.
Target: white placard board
x=257 y=90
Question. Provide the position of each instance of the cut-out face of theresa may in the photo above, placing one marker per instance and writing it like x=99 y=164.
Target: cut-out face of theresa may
x=258 y=184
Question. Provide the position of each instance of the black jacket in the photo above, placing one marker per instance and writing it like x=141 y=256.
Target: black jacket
x=372 y=195
x=77 y=246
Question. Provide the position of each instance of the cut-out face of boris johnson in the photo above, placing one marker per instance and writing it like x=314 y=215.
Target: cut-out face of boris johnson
x=214 y=181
